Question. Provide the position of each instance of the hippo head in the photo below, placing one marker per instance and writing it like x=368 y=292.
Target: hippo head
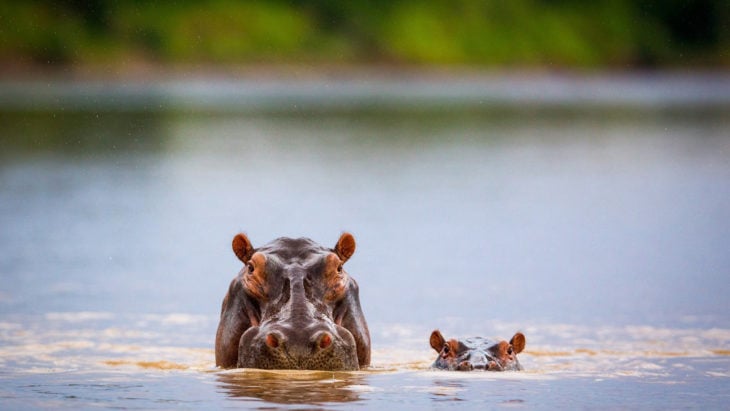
x=293 y=306
x=477 y=353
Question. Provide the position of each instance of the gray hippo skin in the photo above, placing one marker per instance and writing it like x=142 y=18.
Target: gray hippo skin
x=293 y=306
x=477 y=353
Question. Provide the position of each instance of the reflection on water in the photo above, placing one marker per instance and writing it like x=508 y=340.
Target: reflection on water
x=82 y=134
x=291 y=387
x=600 y=234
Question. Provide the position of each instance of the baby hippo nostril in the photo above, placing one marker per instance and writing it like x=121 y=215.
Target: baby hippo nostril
x=272 y=341
x=324 y=341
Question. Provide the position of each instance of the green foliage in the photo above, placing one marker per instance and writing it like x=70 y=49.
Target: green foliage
x=561 y=33
x=218 y=32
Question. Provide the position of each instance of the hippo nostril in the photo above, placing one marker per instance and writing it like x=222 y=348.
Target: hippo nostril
x=272 y=341
x=325 y=340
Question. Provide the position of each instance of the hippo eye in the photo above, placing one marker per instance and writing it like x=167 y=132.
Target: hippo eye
x=339 y=268
x=446 y=349
x=249 y=267
x=509 y=351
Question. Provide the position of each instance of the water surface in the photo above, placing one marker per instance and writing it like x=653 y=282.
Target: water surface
x=599 y=232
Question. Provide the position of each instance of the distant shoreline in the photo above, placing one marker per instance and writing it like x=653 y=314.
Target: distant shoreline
x=292 y=88
x=147 y=71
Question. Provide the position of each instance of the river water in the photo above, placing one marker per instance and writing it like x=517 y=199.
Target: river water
x=597 y=225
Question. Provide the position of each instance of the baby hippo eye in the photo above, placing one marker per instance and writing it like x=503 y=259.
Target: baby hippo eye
x=509 y=350
x=249 y=268
x=339 y=268
x=446 y=349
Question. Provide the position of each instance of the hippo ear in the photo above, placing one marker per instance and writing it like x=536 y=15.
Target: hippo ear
x=345 y=247
x=437 y=340
x=518 y=343
x=242 y=247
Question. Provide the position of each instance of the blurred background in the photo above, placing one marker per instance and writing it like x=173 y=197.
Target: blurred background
x=556 y=161
x=555 y=34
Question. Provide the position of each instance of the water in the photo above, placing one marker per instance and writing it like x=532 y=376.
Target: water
x=600 y=232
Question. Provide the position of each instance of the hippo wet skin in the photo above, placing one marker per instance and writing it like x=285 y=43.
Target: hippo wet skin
x=477 y=353
x=293 y=306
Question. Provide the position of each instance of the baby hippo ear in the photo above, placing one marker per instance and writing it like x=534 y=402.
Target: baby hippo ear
x=437 y=340
x=242 y=247
x=518 y=343
x=345 y=247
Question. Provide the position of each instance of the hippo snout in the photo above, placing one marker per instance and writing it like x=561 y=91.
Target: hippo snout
x=279 y=346
x=295 y=343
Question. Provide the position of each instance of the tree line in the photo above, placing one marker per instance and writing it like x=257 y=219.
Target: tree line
x=485 y=33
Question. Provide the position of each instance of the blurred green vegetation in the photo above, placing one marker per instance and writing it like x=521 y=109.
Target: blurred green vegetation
x=557 y=33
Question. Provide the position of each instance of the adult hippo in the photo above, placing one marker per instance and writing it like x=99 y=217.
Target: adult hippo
x=477 y=353
x=293 y=306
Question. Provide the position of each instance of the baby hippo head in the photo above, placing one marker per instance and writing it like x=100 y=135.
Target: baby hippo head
x=477 y=353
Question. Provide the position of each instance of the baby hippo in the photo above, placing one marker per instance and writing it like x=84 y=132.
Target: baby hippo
x=477 y=353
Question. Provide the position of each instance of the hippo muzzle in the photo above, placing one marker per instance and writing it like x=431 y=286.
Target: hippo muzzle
x=315 y=347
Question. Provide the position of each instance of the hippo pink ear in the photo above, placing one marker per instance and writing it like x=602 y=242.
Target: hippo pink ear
x=437 y=340
x=345 y=247
x=518 y=343
x=242 y=247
